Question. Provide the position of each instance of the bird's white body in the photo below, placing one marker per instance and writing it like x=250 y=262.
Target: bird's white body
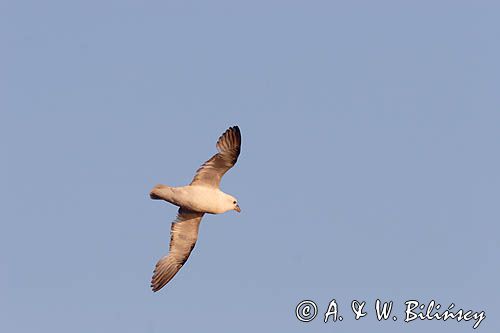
x=197 y=198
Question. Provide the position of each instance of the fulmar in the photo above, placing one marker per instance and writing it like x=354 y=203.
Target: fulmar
x=201 y=196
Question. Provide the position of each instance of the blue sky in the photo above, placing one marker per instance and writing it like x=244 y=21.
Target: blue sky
x=369 y=164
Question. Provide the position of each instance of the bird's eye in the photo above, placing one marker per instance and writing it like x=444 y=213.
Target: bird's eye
x=234 y=202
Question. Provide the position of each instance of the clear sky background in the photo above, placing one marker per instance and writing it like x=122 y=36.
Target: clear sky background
x=369 y=166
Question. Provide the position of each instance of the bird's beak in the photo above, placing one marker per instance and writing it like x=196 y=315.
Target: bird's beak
x=237 y=208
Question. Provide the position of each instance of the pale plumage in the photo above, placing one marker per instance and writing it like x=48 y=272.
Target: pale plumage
x=201 y=196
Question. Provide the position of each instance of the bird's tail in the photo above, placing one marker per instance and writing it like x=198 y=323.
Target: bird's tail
x=155 y=193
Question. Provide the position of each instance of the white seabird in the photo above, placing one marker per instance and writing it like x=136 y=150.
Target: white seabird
x=201 y=196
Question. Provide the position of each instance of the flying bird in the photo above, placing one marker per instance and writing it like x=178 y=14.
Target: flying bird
x=202 y=196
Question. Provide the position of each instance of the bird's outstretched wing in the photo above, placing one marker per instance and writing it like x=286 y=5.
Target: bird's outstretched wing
x=211 y=172
x=183 y=236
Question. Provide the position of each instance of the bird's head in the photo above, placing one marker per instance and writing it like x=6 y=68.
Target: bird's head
x=233 y=204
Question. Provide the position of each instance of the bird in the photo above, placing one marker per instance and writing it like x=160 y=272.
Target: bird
x=200 y=197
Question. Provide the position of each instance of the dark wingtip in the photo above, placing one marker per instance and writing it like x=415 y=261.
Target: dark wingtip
x=155 y=286
x=236 y=128
x=236 y=131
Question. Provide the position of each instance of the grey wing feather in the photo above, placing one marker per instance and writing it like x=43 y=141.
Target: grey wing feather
x=183 y=236
x=211 y=172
